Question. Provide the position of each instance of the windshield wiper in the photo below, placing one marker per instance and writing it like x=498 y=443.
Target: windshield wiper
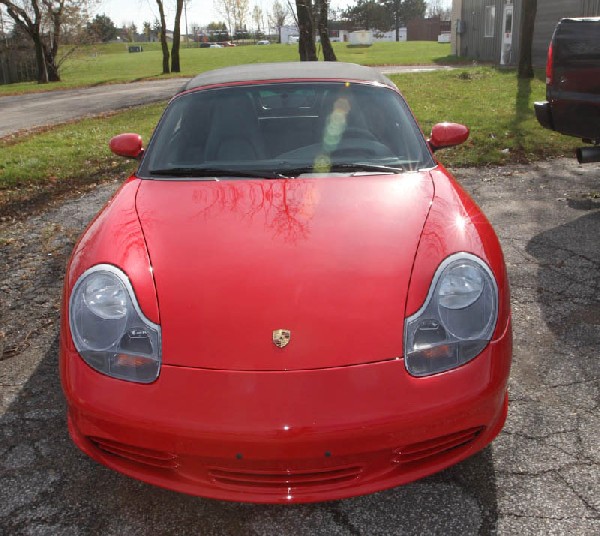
x=360 y=166
x=215 y=172
x=333 y=168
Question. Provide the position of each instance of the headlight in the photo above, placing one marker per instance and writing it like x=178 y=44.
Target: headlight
x=109 y=330
x=457 y=319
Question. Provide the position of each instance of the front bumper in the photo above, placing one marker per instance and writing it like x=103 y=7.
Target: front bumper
x=282 y=437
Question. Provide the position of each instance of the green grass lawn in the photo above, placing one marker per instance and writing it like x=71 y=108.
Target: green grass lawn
x=38 y=166
x=493 y=103
x=111 y=63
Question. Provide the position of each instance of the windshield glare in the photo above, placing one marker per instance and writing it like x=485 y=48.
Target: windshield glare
x=287 y=129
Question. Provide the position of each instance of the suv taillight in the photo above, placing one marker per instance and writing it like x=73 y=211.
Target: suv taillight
x=549 y=66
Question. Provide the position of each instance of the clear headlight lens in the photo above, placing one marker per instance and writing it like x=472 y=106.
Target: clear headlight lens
x=106 y=297
x=457 y=320
x=461 y=286
x=109 y=330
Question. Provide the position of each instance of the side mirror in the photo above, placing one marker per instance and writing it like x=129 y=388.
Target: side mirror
x=127 y=145
x=447 y=135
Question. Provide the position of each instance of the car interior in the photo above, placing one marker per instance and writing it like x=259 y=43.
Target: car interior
x=287 y=122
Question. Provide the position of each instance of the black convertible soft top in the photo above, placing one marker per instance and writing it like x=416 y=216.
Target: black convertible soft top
x=288 y=70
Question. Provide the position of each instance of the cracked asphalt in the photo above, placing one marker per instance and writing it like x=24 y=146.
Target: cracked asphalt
x=540 y=476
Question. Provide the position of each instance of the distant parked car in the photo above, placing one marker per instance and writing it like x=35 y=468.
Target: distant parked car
x=204 y=45
x=215 y=45
x=226 y=44
x=263 y=42
x=573 y=84
x=290 y=300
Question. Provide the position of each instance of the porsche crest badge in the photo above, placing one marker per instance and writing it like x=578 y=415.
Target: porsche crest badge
x=281 y=337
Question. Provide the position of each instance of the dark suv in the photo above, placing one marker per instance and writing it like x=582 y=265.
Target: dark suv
x=573 y=84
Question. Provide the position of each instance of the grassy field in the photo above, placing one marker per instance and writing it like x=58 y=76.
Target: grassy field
x=67 y=158
x=111 y=63
x=493 y=103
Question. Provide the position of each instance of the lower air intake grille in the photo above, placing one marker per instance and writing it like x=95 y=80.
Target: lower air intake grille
x=155 y=458
x=434 y=447
x=284 y=480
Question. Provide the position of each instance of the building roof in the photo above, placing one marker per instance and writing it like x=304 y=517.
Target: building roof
x=288 y=70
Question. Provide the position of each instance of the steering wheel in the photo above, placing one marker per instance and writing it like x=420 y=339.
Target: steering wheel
x=355 y=152
x=354 y=148
x=358 y=133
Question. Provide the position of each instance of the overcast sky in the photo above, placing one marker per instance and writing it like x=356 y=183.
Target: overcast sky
x=199 y=12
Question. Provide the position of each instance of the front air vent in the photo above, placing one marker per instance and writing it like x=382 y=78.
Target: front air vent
x=283 y=481
x=154 y=458
x=425 y=450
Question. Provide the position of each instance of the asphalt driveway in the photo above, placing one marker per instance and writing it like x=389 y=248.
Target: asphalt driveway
x=540 y=476
x=33 y=110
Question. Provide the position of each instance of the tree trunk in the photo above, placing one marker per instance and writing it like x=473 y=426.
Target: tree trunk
x=526 y=41
x=306 y=44
x=328 y=53
x=51 y=51
x=175 y=64
x=42 y=76
x=163 y=37
x=51 y=67
x=32 y=28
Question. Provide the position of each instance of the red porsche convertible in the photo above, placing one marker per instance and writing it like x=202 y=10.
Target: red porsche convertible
x=290 y=300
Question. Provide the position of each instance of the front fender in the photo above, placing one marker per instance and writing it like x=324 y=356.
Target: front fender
x=455 y=224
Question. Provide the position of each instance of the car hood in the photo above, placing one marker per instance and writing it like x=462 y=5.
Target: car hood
x=328 y=259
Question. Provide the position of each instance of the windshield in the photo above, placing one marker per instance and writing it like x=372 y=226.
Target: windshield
x=285 y=130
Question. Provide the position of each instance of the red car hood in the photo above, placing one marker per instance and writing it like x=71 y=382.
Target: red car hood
x=328 y=259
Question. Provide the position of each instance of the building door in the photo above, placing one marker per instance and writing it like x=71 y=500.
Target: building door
x=507 y=35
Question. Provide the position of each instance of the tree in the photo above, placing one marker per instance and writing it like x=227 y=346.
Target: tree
x=162 y=28
x=404 y=10
x=225 y=8
x=235 y=13
x=31 y=25
x=42 y=21
x=369 y=15
x=257 y=18
x=147 y=30
x=529 y=12
x=163 y=37
x=175 y=64
x=129 y=31
x=102 y=28
x=439 y=8
x=217 y=31
x=328 y=53
x=216 y=26
x=240 y=13
x=306 y=43
x=278 y=17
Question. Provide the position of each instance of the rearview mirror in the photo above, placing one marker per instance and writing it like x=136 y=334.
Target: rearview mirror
x=127 y=145
x=447 y=135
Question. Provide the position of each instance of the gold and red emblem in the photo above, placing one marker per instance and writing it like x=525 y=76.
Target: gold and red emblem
x=281 y=337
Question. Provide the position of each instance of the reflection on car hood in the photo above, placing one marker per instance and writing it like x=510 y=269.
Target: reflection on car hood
x=327 y=259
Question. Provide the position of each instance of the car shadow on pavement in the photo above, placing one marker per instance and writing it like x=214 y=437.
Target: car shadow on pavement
x=48 y=487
